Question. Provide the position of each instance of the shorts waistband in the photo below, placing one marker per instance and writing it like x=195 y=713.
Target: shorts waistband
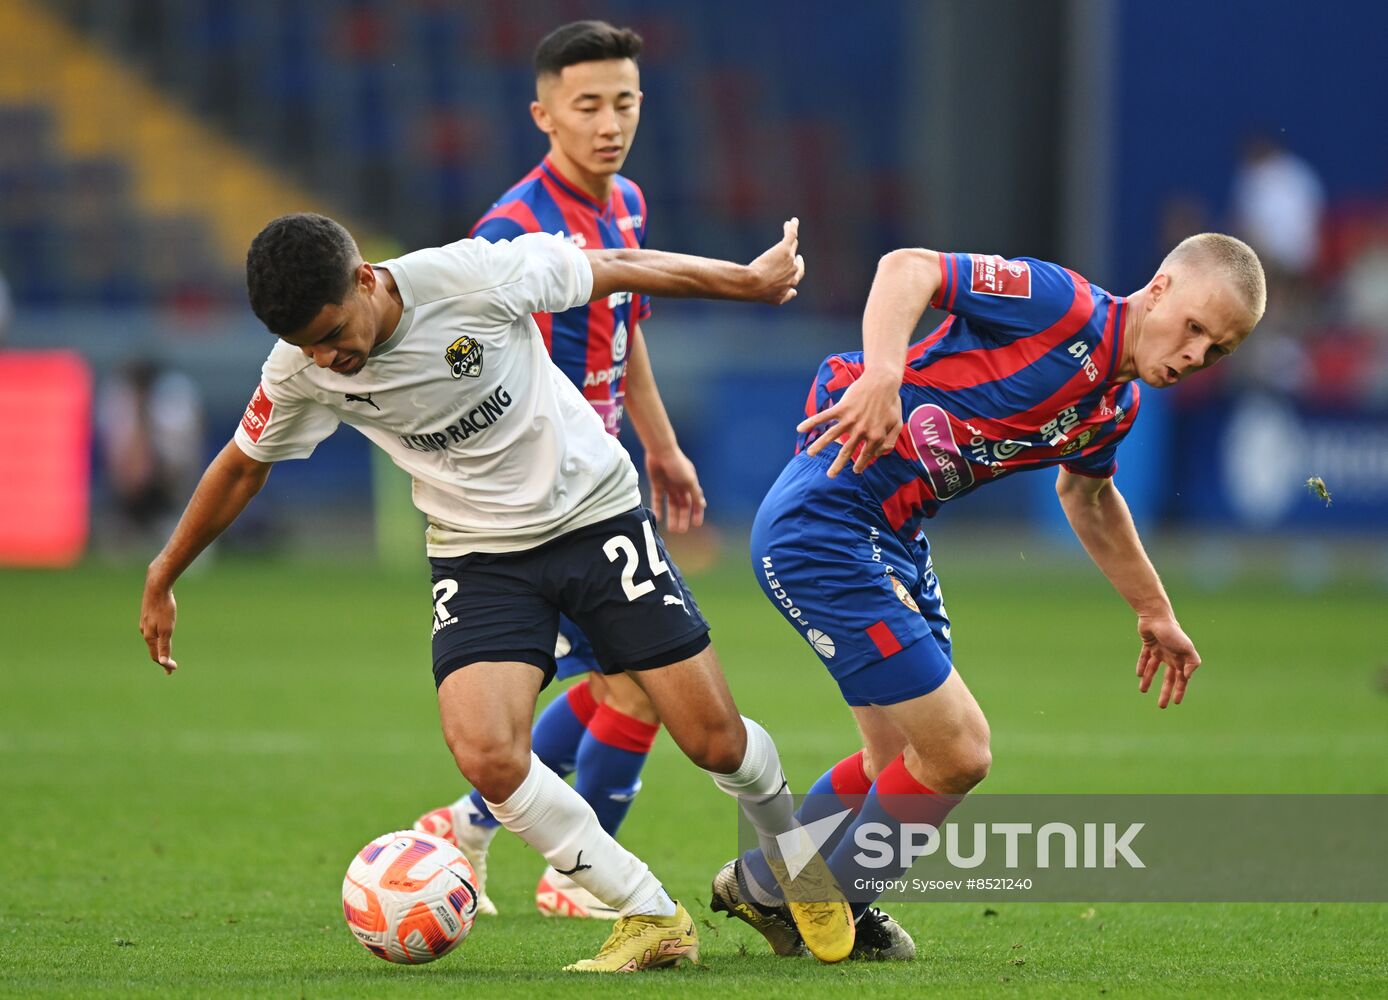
x=849 y=479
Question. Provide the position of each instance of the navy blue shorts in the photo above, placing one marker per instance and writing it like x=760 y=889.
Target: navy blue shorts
x=865 y=600
x=613 y=580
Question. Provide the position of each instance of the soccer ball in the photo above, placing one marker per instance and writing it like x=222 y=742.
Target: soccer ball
x=409 y=897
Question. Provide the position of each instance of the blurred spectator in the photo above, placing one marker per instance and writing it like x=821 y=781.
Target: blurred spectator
x=1278 y=205
x=1366 y=284
x=1278 y=201
x=149 y=427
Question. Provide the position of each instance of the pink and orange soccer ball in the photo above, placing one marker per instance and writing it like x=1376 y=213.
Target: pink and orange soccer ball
x=409 y=897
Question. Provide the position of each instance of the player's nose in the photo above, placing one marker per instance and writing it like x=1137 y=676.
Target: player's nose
x=1196 y=348
x=322 y=357
x=607 y=122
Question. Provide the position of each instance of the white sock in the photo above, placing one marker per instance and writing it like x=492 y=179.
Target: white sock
x=551 y=817
x=761 y=789
x=658 y=905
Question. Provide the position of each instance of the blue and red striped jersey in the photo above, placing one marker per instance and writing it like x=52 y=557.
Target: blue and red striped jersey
x=1019 y=376
x=588 y=343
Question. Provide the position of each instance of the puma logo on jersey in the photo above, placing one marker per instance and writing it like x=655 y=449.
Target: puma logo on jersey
x=353 y=398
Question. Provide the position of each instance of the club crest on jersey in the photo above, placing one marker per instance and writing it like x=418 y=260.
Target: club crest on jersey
x=904 y=594
x=995 y=276
x=1077 y=443
x=464 y=357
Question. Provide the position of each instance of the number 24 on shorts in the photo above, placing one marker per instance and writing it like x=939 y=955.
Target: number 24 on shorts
x=619 y=546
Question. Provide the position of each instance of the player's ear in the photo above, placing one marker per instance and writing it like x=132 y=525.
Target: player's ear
x=1161 y=284
x=365 y=278
x=540 y=115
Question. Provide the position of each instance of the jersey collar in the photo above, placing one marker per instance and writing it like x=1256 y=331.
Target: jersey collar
x=407 y=300
x=1120 y=307
x=569 y=188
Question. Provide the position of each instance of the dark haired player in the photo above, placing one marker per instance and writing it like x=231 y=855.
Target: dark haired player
x=532 y=511
x=588 y=103
x=1035 y=368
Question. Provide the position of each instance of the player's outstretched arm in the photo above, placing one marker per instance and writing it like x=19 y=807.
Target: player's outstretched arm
x=868 y=416
x=772 y=277
x=223 y=492
x=1099 y=516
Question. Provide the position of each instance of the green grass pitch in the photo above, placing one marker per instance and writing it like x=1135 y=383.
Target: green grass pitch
x=187 y=836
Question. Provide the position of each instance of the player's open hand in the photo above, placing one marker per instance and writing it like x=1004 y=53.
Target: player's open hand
x=1163 y=642
x=777 y=271
x=675 y=484
x=158 y=610
x=867 y=422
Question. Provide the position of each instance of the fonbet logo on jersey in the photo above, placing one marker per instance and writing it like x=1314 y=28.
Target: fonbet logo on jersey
x=257 y=414
x=1007 y=278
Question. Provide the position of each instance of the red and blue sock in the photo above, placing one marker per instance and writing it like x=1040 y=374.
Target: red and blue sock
x=896 y=798
x=610 y=757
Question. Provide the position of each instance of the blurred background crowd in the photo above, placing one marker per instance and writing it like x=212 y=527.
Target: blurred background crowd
x=143 y=142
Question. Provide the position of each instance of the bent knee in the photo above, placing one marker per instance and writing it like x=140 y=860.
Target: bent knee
x=494 y=768
x=972 y=758
x=972 y=765
x=956 y=768
x=720 y=749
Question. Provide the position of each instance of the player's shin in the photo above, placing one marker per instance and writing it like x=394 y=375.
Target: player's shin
x=871 y=849
x=840 y=789
x=553 y=819
x=761 y=789
x=816 y=904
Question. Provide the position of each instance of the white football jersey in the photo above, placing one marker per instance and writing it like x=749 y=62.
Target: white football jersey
x=505 y=453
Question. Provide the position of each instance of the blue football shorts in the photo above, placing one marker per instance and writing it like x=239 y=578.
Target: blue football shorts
x=865 y=600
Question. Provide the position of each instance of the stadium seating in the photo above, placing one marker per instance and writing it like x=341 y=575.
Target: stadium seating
x=411 y=117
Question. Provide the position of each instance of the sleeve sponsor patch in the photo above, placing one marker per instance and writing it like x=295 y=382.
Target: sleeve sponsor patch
x=995 y=276
x=257 y=414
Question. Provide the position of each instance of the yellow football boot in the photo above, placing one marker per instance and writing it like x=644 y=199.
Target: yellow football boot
x=638 y=943
x=817 y=905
